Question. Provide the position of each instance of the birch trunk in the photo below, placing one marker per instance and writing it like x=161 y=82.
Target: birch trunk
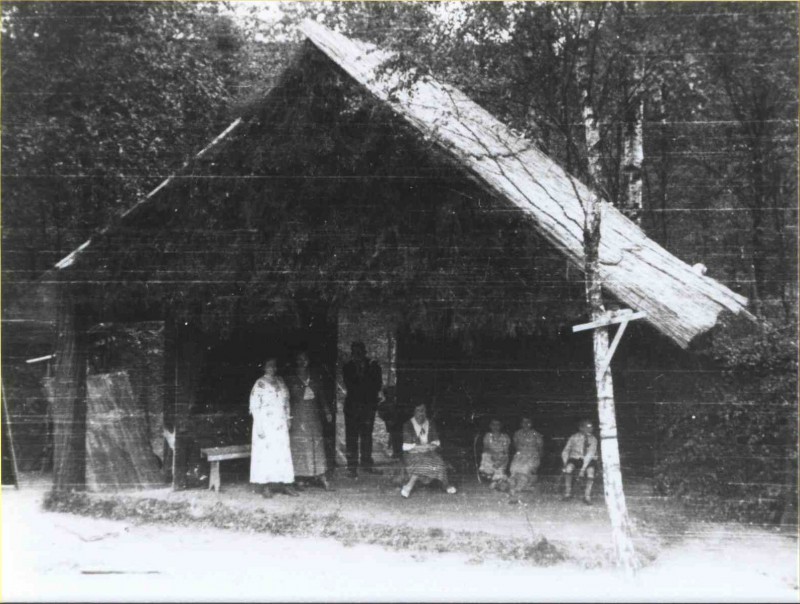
x=634 y=150
x=609 y=448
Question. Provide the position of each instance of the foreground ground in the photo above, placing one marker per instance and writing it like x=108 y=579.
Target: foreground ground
x=58 y=557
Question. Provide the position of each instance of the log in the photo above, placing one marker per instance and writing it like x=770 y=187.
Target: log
x=634 y=269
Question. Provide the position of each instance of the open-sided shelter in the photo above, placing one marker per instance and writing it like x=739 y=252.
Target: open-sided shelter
x=351 y=185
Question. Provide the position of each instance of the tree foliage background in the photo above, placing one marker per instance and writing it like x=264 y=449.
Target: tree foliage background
x=101 y=101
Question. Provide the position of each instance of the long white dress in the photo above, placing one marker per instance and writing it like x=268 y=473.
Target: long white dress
x=271 y=456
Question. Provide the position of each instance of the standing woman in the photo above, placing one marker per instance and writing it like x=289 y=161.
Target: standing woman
x=271 y=456
x=309 y=407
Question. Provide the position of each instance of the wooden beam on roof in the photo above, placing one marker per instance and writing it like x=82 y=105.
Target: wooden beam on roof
x=70 y=258
x=636 y=270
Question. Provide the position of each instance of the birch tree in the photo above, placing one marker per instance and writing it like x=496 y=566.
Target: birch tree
x=587 y=29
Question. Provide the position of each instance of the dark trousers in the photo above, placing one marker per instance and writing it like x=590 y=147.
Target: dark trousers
x=358 y=425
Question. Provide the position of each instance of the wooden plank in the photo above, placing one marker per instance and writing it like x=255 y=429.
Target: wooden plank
x=231 y=450
x=636 y=270
x=613 y=348
x=118 y=451
x=609 y=319
x=224 y=456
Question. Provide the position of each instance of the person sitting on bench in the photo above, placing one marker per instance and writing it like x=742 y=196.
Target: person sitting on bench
x=494 y=459
x=581 y=453
x=420 y=453
x=529 y=446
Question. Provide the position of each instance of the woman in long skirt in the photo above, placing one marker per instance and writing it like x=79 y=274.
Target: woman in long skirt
x=271 y=456
x=308 y=410
x=529 y=445
x=494 y=461
x=420 y=453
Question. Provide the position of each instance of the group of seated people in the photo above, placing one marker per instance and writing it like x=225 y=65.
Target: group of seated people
x=580 y=453
x=424 y=464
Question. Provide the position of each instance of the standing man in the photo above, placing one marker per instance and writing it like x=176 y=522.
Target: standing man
x=363 y=382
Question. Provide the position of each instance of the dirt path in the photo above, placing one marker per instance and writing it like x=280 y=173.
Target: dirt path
x=60 y=557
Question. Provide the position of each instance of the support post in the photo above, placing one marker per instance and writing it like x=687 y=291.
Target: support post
x=168 y=398
x=609 y=451
x=67 y=397
x=8 y=436
x=606 y=412
x=189 y=358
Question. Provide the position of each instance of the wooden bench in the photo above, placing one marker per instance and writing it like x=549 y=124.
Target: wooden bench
x=214 y=455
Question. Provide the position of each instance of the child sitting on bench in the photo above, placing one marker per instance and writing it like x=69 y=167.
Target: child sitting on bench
x=580 y=453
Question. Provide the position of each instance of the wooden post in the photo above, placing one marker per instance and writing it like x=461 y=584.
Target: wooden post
x=189 y=357
x=609 y=450
x=67 y=397
x=168 y=397
x=609 y=447
x=8 y=437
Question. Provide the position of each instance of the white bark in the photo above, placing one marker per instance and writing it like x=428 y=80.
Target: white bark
x=633 y=155
x=609 y=450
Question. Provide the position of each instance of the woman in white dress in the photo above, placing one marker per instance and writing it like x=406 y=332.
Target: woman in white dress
x=271 y=456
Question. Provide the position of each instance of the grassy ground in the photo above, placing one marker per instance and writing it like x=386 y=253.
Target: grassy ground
x=477 y=521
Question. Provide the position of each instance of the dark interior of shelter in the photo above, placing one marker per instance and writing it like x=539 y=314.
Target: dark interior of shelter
x=326 y=201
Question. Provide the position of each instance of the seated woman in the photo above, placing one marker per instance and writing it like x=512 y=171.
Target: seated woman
x=529 y=446
x=422 y=460
x=494 y=460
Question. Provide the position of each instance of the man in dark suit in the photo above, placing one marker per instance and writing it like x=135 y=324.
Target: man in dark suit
x=363 y=382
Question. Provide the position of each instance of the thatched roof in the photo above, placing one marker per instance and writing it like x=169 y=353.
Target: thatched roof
x=678 y=301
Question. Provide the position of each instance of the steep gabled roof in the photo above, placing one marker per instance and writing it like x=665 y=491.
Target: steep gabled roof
x=678 y=301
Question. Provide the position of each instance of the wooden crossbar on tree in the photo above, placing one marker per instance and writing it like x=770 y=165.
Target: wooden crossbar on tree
x=610 y=318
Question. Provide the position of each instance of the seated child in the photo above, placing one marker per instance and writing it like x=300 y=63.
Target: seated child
x=494 y=460
x=580 y=453
x=529 y=446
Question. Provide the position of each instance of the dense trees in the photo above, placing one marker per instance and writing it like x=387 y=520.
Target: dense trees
x=100 y=101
